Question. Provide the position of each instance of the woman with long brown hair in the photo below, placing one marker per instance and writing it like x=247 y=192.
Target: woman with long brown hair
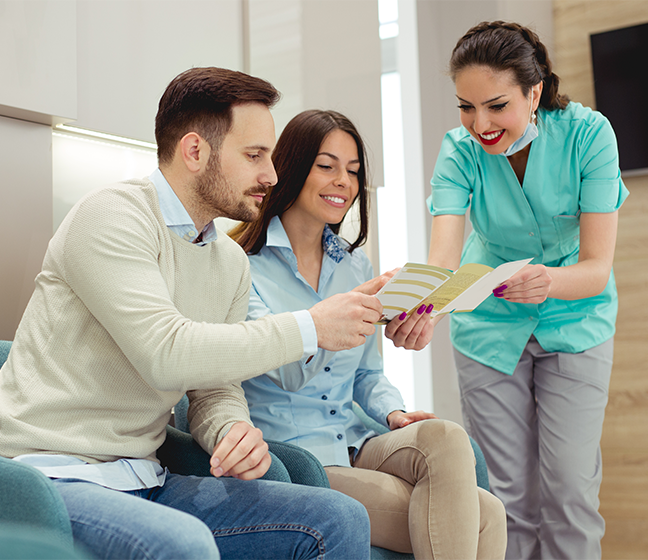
x=418 y=480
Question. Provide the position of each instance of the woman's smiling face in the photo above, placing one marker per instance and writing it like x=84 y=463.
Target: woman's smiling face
x=332 y=184
x=493 y=108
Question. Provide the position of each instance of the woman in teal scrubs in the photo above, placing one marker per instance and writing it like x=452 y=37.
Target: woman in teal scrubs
x=541 y=177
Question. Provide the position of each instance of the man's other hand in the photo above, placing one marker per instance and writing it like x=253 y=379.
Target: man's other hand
x=242 y=453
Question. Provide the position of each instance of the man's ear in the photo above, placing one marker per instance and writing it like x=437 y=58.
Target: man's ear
x=194 y=151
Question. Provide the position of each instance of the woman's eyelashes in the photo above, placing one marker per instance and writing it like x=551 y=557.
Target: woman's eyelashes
x=496 y=108
x=353 y=172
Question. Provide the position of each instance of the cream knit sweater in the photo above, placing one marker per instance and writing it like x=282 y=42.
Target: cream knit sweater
x=124 y=319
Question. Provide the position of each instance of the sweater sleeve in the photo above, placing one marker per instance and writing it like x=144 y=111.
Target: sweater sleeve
x=110 y=258
x=212 y=412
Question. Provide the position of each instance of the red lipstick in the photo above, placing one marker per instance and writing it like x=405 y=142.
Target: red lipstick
x=493 y=140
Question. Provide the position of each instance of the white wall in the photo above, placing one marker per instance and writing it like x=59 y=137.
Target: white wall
x=323 y=54
x=104 y=63
x=129 y=51
x=38 y=60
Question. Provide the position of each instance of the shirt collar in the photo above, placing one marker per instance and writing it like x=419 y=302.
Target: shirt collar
x=175 y=214
x=331 y=243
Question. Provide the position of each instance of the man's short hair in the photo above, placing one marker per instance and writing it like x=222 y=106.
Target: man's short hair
x=200 y=100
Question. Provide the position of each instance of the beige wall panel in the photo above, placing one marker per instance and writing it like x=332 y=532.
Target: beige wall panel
x=624 y=492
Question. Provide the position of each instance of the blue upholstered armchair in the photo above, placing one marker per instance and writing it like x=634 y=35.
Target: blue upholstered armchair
x=302 y=467
x=34 y=521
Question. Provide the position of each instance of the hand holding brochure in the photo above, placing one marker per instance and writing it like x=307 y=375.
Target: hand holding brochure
x=449 y=292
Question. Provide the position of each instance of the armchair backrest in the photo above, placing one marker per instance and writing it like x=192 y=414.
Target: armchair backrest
x=5 y=346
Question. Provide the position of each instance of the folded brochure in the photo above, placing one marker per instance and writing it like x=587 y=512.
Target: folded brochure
x=449 y=292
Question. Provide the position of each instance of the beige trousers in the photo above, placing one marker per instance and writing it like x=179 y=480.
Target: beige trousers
x=418 y=484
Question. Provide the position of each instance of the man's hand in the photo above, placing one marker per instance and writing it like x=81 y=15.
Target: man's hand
x=413 y=332
x=344 y=320
x=399 y=419
x=242 y=453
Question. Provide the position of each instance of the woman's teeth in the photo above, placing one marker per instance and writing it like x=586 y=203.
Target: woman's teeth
x=335 y=199
x=492 y=135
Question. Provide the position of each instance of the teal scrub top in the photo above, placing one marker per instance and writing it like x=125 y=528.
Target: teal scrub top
x=572 y=168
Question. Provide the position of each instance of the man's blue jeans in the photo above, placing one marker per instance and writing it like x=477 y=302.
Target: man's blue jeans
x=198 y=518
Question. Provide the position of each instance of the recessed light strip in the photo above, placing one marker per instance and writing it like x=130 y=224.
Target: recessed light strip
x=104 y=136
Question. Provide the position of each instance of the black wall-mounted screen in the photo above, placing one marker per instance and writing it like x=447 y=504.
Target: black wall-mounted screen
x=620 y=64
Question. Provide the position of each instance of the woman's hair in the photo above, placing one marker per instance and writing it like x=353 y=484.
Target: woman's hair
x=293 y=158
x=509 y=46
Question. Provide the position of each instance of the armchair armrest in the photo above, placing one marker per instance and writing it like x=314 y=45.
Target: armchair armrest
x=302 y=466
x=182 y=455
x=29 y=498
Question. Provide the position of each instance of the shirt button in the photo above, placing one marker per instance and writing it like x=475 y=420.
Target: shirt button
x=339 y=436
x=530 y=318
x=332 y=412
x=531 y=233
x=192 y=233
x=324 y=397
x=327 y=368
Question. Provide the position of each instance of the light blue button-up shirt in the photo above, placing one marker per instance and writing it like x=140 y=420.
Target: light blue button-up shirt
x=310 y=404
x=135 y=474
x=572 y=168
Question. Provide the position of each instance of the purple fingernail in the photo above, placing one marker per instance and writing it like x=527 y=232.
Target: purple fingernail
x=421 y=309
x=429 y=308
x=402 y=316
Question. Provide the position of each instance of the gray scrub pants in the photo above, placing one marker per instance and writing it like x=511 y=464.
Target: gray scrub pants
x=540 y=431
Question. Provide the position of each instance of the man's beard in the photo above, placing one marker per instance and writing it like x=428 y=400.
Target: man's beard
x=215 y=191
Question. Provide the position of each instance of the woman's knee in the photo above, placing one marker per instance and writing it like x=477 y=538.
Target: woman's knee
x=444 y=438
x=492 y=511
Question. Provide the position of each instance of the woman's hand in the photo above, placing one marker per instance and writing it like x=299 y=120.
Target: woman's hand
x=529 y=285
x=413 y=332
x=399 y=419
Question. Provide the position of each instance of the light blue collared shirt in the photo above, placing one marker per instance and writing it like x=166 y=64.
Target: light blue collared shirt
x=310 y=405
x=123 y=474
x=175 y=214
x=136 y=474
